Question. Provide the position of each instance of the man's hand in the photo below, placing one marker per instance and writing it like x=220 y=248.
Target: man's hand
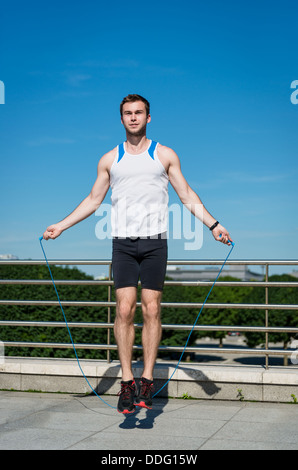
x=52 y=232
x=221 y=235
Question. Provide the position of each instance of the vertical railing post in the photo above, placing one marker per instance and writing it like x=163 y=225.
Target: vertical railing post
x=109 y=314
x=267 y=315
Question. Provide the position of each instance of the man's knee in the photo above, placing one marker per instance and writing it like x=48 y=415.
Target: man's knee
x=151 y=310
x=125 y=311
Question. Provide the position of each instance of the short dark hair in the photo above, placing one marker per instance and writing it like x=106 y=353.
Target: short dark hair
x=132 y=99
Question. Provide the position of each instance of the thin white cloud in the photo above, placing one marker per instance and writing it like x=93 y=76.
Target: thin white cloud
x=49 y=141
x=106 y=64
x=76 y=79
x=245 y=177
x=233 y=178
x=126 y=65
x=257 y=234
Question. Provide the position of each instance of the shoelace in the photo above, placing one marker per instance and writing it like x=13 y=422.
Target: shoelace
x=146 y=388
x=126 y=390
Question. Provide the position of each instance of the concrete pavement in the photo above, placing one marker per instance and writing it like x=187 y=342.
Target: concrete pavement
x=34 y=421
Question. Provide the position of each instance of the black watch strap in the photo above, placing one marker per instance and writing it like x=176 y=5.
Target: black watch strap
x=214 y=225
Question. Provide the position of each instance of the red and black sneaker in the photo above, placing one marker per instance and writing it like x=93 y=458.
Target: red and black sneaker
x=144 y=397
x=126 y=397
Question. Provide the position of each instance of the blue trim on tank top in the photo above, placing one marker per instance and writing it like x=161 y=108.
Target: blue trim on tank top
x=121 y=152
x=151 y=150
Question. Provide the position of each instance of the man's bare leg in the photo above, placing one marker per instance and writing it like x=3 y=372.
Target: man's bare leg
x=151 y=334
x=126 y=299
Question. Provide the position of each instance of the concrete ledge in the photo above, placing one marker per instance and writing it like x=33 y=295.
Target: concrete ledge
x=222 y=382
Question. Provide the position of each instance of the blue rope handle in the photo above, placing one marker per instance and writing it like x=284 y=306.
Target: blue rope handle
x=40 y=240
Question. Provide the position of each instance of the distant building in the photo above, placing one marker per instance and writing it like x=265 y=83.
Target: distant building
x=8 y=256
x=101 y=277
x=209 y=274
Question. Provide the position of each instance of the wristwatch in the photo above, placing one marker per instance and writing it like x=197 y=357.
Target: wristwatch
x=214 y=225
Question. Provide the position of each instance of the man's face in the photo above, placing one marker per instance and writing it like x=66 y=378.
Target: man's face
x=134 y=118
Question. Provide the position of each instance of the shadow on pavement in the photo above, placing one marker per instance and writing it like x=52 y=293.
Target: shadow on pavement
x=143 y=418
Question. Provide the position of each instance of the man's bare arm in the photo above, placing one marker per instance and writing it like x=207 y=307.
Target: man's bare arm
x=186 y=194
x=90 y=204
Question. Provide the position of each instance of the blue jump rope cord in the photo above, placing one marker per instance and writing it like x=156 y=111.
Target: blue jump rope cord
x=114 y=407
x=233 y=244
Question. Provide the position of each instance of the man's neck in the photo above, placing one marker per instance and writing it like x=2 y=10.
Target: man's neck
x=136 y=144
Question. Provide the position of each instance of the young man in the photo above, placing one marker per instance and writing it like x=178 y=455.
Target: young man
x=138 y=172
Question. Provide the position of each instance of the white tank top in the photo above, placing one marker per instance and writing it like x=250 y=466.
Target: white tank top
x=139 y=186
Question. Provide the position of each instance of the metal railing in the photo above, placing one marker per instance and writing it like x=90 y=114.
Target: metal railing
x=109 y=304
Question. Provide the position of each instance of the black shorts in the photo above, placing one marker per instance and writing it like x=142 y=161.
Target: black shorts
x=140 y=258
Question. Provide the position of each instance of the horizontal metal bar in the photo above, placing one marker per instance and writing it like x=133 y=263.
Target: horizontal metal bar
x=179 y=262
x=106 y=282
x=232 y=283
x=47 y=282
x=55 y=324
x=109 y=347
x=98 y=304
x=250 y=262
x=31 y=344
x=58 y=262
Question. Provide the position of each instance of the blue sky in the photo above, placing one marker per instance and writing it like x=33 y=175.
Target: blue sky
x=218 y=76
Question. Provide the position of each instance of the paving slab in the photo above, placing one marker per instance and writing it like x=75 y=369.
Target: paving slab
x=49 y=421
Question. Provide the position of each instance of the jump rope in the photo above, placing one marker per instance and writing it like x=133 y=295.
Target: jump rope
x=78 y=361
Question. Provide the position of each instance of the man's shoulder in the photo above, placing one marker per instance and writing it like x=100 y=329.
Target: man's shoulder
x=163 y=148
x=111 y=153
x=166 y=152
x=108 y=158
